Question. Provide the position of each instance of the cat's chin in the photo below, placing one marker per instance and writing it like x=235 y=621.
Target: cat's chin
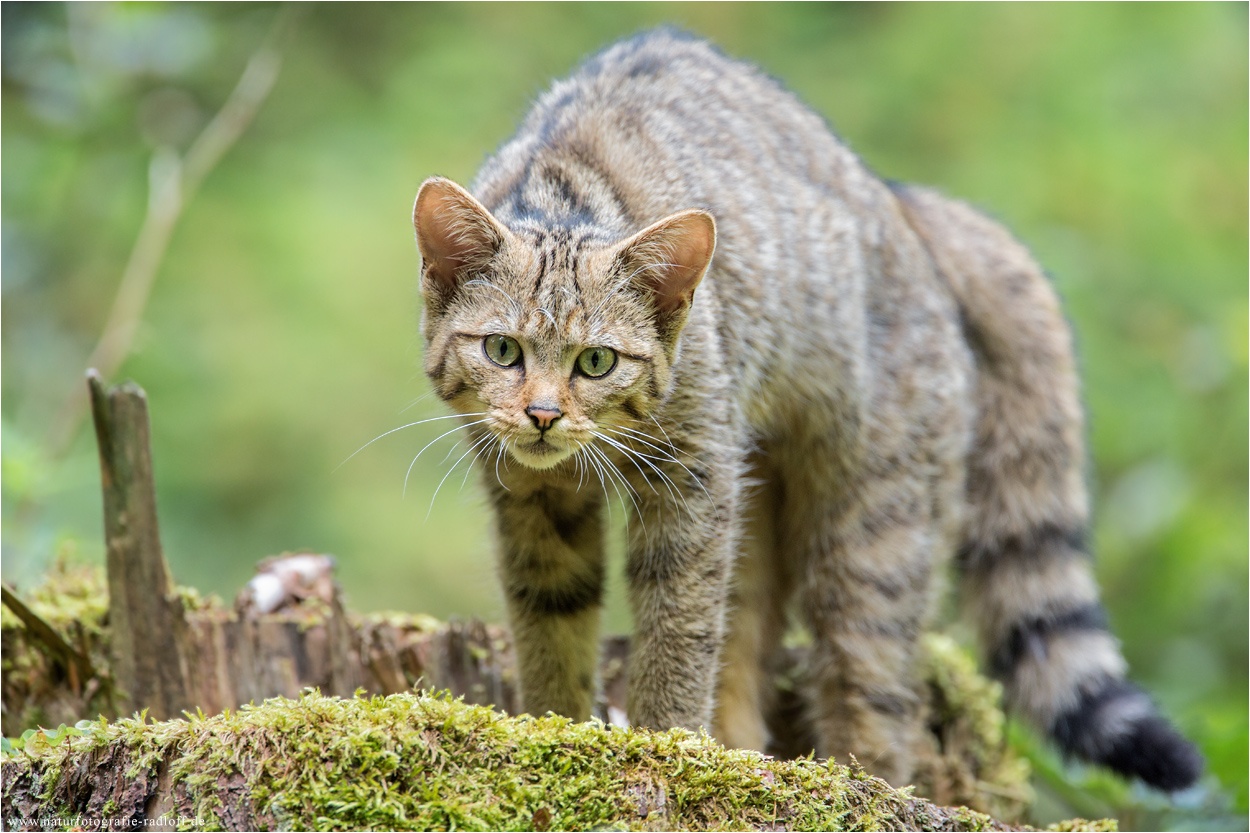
x=540 y=455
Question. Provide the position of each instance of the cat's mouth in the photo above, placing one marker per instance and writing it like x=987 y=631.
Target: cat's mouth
x=540 y=454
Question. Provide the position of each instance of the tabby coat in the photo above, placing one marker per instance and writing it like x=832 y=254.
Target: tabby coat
x=861 y=383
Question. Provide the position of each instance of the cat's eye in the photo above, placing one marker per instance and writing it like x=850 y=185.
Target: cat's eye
x=502 y=350
x=596 y=361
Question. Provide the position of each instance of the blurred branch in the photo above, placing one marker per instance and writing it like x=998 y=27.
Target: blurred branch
x=173 y=181
x=77 y=665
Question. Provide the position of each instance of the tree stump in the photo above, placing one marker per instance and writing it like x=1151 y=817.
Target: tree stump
x=149 y=632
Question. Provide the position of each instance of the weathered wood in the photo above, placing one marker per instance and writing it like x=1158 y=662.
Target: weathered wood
x=149 y=631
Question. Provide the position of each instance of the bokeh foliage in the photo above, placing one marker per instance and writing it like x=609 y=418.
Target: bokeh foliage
x=281 y=334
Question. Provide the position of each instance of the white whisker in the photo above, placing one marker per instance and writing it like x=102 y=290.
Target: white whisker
x=629 y=455
x=485 y=447
x=647 y=438
x=430 y=443
x=669 y=485
x=667 y=439
x=407 y=474
x=401 y=428
x=642 y=438
x=503 y=448
x=607 y=501
x=611 y=468
x=447 y=475
x=420 y=398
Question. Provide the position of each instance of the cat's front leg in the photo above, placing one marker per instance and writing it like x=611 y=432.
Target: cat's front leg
x=680 y=556
x=551 y=564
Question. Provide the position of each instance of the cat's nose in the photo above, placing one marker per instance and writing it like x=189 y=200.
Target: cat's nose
x=544 y=416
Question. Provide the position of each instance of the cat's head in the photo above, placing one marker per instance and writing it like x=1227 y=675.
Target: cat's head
x=553 y=335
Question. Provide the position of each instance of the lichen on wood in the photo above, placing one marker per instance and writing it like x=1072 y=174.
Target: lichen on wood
x=424 y=762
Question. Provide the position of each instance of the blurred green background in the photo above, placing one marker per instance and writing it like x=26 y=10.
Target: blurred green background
x=281 y=333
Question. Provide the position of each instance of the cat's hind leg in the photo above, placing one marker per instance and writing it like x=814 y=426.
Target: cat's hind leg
x=756 y=619
x=865 y=595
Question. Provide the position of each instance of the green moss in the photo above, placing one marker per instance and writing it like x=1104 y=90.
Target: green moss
x=968 y=761
x=1108 y=825
x=420 y=762
x=70 y=596
x=194 y=601
x=73 y=599
x=418 y=622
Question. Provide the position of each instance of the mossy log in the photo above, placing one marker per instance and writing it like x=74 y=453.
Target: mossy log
x=423 y=762
x=239 y=658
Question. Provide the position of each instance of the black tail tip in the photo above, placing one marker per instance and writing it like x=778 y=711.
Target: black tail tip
x=1156 y=753
x=1116 y=725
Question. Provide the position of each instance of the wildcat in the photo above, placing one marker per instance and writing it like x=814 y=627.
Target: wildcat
x=675 y=286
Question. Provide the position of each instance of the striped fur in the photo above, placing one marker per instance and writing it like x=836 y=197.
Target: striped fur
x=860 y=383
x=1024 y=560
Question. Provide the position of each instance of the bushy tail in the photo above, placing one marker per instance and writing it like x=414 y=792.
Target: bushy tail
x=1026 y=572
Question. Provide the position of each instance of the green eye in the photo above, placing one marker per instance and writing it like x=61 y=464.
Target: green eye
x=596 y=361
x=502 y=350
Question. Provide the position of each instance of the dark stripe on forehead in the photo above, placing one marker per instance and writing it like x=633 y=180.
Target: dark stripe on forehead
x=585 y=239
x=566 y=208
x=577 y=206
x=542 y=269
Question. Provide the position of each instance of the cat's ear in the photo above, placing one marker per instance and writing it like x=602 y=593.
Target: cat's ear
x=456 y=236
x=667 y=260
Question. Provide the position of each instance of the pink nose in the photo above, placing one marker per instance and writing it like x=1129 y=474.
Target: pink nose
x=544 y=418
